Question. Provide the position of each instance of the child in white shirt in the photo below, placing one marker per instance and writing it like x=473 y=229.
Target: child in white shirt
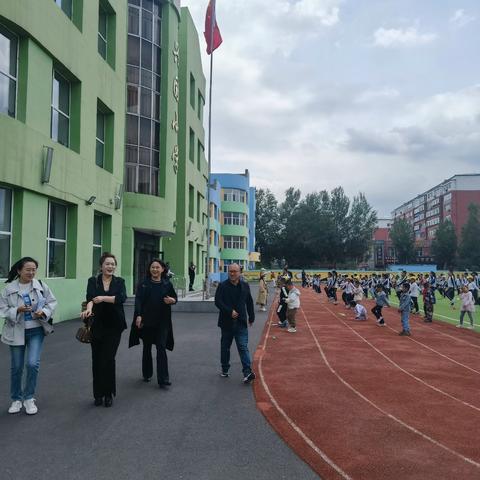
x=360 y=311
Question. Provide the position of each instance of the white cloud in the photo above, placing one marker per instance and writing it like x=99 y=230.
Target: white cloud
x=408 y=37
x=460 y=19
x=373 y=95
x=326 y=11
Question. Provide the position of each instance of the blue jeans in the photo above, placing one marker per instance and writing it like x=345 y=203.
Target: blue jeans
x=405 y=315
x=33 y=346
x=240 y=334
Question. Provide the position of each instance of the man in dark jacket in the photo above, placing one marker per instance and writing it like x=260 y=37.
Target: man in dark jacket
x=234 y=300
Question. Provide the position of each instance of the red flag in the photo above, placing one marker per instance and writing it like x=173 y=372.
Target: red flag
x=213 y=42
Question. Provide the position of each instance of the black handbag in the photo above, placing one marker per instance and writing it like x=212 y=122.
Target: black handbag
x=84 y=333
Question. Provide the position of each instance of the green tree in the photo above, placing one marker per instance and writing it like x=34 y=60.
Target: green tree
x=362 y=221
x=339 y=207
x=267 y=224
x=444 y=245
x=403 y=240
x=469 y=251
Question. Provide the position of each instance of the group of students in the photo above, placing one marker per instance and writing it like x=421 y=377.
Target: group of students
x=408 y=289
x=28 y=306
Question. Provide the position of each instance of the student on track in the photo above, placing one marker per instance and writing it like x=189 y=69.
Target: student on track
x=381 y=301
x=428 y=301
x=468 y=306
x=293 y=302
x=359 y=309
x=404 y=309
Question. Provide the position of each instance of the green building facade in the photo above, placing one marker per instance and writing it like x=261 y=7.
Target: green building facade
x=62 y=104
x=94 y=127
x=189 y=244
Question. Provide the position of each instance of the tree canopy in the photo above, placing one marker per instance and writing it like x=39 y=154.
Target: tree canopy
x=321 y=228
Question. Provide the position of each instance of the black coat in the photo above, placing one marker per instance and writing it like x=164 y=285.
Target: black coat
x=225 y=302
x=143 y=293
x=107 y=316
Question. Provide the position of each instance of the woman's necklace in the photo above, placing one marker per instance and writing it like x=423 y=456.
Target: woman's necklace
x=106 y=284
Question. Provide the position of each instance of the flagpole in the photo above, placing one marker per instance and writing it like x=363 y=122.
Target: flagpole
x=206 y=294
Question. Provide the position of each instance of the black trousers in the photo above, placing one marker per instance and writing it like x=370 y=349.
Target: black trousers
x=415 y=304
x=162 y=363
x=191 y=281
x=104 y=350
x=377 y=311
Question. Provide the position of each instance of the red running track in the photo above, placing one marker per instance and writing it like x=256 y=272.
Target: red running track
x=356 y=401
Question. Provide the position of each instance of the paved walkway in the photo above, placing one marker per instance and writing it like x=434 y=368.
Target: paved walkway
x=204 y=428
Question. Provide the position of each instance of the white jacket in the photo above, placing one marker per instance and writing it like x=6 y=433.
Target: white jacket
x=293 y=299
x=13 y=332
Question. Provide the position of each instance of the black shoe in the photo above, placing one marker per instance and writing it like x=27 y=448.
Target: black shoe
x=146 y=380
x=404 y=333
x=108 y=401
x=249 y=378
x=167 y=383
x=98 y=402
x=224 y=374
x=162 y=386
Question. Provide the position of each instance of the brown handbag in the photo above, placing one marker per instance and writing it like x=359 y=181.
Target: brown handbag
x=84 y=333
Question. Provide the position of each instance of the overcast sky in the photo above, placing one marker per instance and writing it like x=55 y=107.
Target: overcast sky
x=379 y=96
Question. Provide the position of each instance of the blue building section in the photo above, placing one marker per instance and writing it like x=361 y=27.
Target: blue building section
x=251 y=223
x=230 y=184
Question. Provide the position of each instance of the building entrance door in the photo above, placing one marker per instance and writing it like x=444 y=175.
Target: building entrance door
x=146 y=248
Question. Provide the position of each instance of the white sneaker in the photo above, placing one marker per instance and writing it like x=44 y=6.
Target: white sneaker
x=292 y=330
x=15 y=407
x=30 y=406
x=460 y=325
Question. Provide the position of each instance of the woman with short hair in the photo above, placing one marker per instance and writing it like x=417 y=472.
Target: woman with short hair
x=27 y=304
x=106 y=295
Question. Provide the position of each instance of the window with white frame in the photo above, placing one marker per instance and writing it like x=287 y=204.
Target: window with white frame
x=6 y=203
x=57 y=239
x=60 y=122
x=97 y=242
x=234 y=218
x=234 y=241
x=234 y=195
x=8 y=72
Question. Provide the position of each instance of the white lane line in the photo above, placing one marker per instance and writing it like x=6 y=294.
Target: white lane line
x=460 y=364
x=292 y=424
x=374 y=405
x=396 y=365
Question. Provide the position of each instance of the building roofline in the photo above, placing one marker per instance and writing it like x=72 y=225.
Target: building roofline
x=436 y=186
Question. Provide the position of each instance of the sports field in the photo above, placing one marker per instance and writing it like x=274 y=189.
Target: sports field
x=356 y=401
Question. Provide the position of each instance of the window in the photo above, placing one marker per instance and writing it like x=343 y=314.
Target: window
x=199 y=205
x=233 y=241
x=100 y=146
x=56 y=240
x=60 y=122
x=97 y=242
x=66 y=6
x=234 y=195
x=191 y=201
x=191 y=150
x=8 y=72
x=192 y=91
x=6 y=202
x=226 y=264
x=143 y=97
x=102 y=31
x=200 y=104
x=200 y=154
x=234 y=218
